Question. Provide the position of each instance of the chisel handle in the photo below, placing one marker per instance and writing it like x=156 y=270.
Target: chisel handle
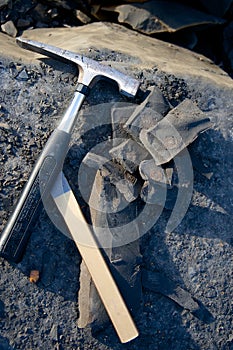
x=18 y=229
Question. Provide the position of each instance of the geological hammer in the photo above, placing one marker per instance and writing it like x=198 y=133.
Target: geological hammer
x=17 y=231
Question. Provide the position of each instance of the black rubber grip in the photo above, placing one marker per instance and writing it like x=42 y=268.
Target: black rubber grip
x=15 y=236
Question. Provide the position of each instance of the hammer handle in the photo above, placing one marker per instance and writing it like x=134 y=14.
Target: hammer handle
x=18 y=229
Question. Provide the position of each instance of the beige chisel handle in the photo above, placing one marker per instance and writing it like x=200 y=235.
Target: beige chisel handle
x=103 y=280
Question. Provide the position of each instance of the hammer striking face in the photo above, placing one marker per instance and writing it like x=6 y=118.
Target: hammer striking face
x=90 y=70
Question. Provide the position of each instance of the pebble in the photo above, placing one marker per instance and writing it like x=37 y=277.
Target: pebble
x=9 y=28
x=54 y=332
x=5 y=126
x=22 y=75
x=82 y=17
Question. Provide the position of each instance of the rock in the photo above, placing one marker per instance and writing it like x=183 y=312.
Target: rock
x=122 y=179
x=150 y=171
x=158 y=186
x=129 y=153
x=177 y=130
x=22 y=75
x=146 y=114
x=54 y=332
x=159 y=283
x=91 y=309
x=124 y=263
x=82 y=17
x=95 y=161
x=113 y=172
x=156 y=101
x=5 y=126
x=152 y=16
x=23 y=23
x=9 y=28
x=120 y=113
x=154 y=193
x=142 y=52
x=4 y=3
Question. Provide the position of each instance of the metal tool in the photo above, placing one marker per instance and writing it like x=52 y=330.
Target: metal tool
x=17 y=231
x=81 y=232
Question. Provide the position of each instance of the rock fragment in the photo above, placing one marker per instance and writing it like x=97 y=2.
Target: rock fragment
x=22 y=75
x=23 y=23
x=173 y=133
x=5 y=126
x=124 y=261
x=153 y=16
x=150 y=171
x=54 y=332
x=82 y=17
x=130 y=154
x=153 y=193
x=148 y=113
x=156 y=101
x=9 y=28
x=120 y=113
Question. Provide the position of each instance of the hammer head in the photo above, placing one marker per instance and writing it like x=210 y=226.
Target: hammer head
x=90 y=70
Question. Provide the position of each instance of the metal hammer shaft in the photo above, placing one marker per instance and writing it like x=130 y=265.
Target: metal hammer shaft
x=17 y=231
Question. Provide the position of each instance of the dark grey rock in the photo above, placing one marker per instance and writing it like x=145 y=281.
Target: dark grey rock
x=54 y=332
x=148 y=113
x=23 y=23
x=124 y=263
x=150 y=171
x=152 y=17
x=120 y=113
x=126 y=183
x=154 y=193
x=95 y=161
x=130 y=154
x=175 y=132
x=155 y=100
x=23 y=75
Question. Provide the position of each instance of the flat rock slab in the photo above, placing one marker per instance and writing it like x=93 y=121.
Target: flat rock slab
x=197 y=255
x=130 y=47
